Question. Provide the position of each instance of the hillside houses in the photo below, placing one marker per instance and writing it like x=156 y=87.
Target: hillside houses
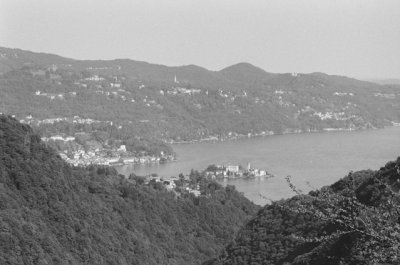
x=58 y=138
x=51 y=96
x=385 y=95
x=170 y=183
x=106 y=156
x=85 y=148
x=115 y=85
x=341 y=94
x=183 y=91
x=339 y=116
x=94 y=78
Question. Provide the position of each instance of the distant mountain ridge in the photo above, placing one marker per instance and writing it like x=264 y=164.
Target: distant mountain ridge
x=190 y=103
x=12 y=59
x=245 y=72
x=386 y=81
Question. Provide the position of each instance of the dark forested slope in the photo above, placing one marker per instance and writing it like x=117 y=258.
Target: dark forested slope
x=52 y=213
x=354 y=221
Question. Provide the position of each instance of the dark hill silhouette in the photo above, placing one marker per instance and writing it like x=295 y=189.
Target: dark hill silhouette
x=245 y=73
x=12 y=59
x=52 y=213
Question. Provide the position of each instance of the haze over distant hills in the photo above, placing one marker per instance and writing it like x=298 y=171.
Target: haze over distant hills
x=188 y=103
x=385 y=81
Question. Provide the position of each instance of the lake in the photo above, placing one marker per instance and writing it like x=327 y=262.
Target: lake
x=312 y=159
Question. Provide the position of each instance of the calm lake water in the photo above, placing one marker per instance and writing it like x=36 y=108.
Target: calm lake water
x=314 y=159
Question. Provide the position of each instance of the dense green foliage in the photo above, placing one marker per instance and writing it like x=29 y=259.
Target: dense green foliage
x=52 y=213
x=354 y=221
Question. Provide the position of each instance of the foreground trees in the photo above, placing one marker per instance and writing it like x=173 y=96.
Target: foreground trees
x=52 y=213
x=354 y=221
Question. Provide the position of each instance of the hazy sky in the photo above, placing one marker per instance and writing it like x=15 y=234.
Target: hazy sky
x=358 y=38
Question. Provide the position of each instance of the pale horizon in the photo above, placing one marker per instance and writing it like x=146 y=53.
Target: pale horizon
x=358 y=39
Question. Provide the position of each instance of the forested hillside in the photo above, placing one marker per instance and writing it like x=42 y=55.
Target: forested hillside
x=189 y=102
x=53 y=213
x=354 y=221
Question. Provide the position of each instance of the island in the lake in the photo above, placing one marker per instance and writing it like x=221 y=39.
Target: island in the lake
x=235 y=171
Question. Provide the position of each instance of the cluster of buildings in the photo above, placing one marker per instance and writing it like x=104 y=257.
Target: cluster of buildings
x=183 y=91
x=94 y=78
x=58 y=138
x=339 y=116
x=53 y=96
x=385 y=95
x=83 y=158
x=342 y=94
x=170 y=184
x=235 y=171
x=76 y=119
x=97 y=155
x=90 y=151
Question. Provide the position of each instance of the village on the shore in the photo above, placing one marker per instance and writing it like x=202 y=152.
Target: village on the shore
x=116 y=157
x=83 y=148
x=95 y=153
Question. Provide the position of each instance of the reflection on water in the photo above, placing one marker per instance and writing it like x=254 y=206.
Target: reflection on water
x=317 y=158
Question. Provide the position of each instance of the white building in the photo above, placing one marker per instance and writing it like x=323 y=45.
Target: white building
x=122 y=148
x=94 y=78
x=115 y=85
x=233 y=169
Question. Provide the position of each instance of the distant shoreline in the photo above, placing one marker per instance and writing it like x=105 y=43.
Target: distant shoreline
x=241 y=137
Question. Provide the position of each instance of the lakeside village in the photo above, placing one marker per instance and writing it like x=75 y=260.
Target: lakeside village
x=96 y=153
x=112 y=157
x=83 y=148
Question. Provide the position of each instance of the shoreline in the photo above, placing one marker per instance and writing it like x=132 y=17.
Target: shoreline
x=325 y=130
x=241 y=137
